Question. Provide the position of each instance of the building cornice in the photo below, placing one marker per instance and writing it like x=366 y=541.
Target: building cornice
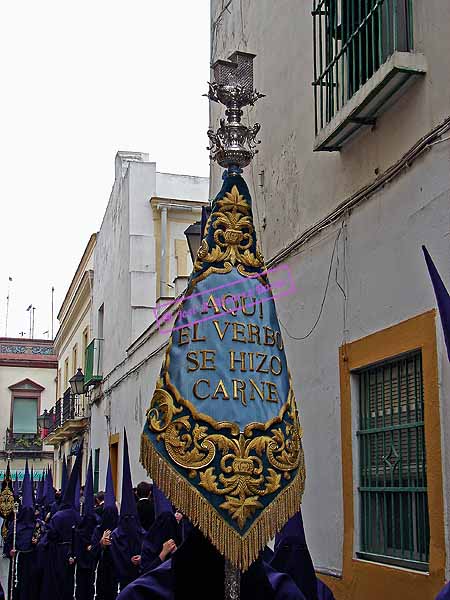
x=75 y=283
x=76 y=311
x=175 y=204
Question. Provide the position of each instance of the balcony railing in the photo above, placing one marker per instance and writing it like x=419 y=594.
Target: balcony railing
x=93 y=371
x=73 y=406
x=67 y=415
x=23 y=442
x=353 y=39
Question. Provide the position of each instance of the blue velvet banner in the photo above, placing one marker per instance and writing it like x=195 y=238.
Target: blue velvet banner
x=222 y=437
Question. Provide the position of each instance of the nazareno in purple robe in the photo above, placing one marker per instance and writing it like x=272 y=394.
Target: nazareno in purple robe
x=58 y=545
x=83 y=535
x=24 y=582
x=291 y=556
x=104 y=579
x=444 y=594
x=164 y=528
x=25 y=588
x=196 y=570
x=126 y=539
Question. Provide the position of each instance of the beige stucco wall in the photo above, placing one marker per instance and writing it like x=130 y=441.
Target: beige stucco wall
x=10 y=376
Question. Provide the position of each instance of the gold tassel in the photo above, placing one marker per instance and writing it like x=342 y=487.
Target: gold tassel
x=241 y=551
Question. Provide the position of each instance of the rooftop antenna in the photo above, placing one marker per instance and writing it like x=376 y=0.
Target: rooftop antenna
x=30 y=311
x=7 y=306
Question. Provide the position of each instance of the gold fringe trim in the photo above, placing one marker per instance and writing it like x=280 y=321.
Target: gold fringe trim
x=241 y=551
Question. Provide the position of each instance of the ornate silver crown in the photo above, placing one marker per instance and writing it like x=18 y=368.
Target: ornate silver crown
x=233 y=145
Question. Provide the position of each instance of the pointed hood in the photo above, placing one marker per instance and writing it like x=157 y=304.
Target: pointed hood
x=110 y=497
x=7 y=481
x=88 y=506
x=40 y=489
x=76 y=498
x=27 y=490
x=16 y=486
x=25 y=518
x=126 y=539
x=128 y=500
x=292 y=530
x=292 y=556
x=160 y=502
x=68 y=500
x=33 y=486
x=64 y=476
x=50 y=494
x=442 y=297
x=45 y=487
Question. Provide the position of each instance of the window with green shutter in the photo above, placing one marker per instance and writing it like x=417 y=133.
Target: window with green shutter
x=394 y=525
x=25 y=415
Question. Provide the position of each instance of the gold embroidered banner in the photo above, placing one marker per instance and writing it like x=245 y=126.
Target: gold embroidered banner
x=222 y=437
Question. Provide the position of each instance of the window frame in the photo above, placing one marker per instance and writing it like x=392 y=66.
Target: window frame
x=397 y=432
x=351 y=43
x=25 y=389
x=66 y=374
x=369 y=578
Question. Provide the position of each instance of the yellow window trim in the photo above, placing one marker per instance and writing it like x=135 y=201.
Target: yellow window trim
x=114 y=438
x=364 y=579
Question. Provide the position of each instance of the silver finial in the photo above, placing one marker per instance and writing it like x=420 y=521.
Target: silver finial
x=233 y=145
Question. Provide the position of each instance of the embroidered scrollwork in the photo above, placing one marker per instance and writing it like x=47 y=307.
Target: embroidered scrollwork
x=250 y=467
x=162 y=410
x=233 y=235
x=191 y=451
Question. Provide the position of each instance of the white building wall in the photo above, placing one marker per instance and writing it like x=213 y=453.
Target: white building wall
x=125 y=274
x=379 y=264
x=381 y=271
x=301 y=186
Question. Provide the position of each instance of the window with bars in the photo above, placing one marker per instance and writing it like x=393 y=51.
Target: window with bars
x=352 y=39
x=394 y=526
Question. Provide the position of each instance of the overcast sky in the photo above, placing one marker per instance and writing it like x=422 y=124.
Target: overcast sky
x=79 y=81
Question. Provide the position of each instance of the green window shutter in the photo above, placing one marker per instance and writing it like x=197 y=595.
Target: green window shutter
x=25 y=415
x=394 y=526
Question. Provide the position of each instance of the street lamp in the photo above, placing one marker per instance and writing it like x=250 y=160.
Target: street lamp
x=77 y=383
x=44 y=420
x=194 y=233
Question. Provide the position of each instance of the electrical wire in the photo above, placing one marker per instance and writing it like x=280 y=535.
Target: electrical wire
x=304 y=337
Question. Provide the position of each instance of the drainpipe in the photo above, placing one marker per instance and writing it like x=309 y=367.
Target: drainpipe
x=163 y=265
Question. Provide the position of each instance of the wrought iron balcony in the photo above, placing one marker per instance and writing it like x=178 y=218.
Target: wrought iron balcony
x=73 y=407
x=363 y=57
x=23 y=442
x=93 y=370
x=68 y=417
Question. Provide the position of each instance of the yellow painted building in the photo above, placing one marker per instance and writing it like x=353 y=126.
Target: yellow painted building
x=70 y=413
